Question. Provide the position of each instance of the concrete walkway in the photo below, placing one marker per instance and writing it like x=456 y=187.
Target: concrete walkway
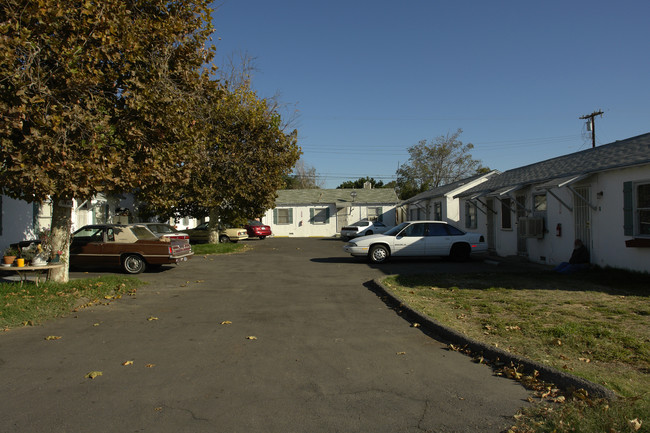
x=308 y=348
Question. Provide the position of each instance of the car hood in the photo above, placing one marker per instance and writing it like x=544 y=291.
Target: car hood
x=365 y=240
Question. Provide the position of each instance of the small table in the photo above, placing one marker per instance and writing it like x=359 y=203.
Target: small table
x=24 y=271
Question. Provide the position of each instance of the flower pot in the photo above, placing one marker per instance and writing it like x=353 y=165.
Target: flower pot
x=8 y=260
x=20 y=263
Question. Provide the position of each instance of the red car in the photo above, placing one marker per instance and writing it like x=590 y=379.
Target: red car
x=256 y=229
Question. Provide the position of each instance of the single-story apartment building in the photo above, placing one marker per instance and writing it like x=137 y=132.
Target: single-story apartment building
x=442 y=203
x=600 y=195
x=323 y=212
x=20 y=220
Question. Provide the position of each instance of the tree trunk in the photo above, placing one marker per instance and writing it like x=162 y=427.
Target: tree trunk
x=60 y=235
x=213 y=226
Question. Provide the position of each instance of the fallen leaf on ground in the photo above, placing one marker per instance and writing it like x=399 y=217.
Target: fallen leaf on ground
x=93 y=374
x=53 y=337
x=226 y=322
x=127 y=363
x=635 y=424
x=150 y=365
x=415 y=325
x=251 y=337
x=152 y=318
x=401 y=353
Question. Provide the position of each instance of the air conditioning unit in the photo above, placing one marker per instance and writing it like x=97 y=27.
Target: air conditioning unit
x=531 y=227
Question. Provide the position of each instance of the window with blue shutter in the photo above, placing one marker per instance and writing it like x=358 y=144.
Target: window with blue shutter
x=628 y=209
x=283 y=216
x=319 y=215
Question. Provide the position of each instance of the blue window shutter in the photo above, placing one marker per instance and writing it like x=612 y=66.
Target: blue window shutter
x=381 y=214
x=328 y=215
x=275 y=216
x=290 y=215
x=311 y=215
x=628 y=209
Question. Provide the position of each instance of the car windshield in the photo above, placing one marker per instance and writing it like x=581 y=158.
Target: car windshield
x=254 y=223
x=361 y=224
x=396 y=229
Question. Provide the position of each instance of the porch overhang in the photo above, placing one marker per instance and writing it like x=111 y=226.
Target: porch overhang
x=566 y=182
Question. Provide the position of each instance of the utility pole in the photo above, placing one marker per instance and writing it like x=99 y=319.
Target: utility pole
x=592 y=125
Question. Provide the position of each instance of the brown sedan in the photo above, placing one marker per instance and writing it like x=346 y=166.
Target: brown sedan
x=133 y=247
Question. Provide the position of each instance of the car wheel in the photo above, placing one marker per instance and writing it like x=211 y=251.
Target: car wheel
x=133 y=264
x=460 y=252
x=379 y=253
x=262 y=238
x=223 y=239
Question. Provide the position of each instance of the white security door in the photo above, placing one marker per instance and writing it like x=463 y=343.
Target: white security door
x=582 y=213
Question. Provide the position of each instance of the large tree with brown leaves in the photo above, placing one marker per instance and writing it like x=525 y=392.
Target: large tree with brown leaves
x=98 y=96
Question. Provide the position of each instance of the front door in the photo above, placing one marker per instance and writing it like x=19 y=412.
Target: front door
x=341 y=218
x=582 y=213
x=522 y=247
x=491 y=227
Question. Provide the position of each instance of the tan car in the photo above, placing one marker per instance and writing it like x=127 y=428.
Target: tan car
x=133 y=247
x=200 y=234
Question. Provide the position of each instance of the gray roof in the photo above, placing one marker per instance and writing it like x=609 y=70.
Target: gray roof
x=619 y=154
x=446 y=189
x=339 y=196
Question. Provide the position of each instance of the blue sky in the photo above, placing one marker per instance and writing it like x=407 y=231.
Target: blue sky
x=369 y=79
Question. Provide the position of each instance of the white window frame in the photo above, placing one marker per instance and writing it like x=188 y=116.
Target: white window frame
x=374 y=213
x=284 y=215
x=471 y=215
x=437 y=211
x=506 y=209
x=317 y=212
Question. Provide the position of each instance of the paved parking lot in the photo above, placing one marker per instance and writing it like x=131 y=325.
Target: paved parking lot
x=305 y=347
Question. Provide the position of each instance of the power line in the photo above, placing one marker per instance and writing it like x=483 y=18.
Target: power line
x=591 y=124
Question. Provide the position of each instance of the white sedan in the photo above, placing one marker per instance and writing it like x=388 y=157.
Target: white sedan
x=363 y=228
x=418 y=238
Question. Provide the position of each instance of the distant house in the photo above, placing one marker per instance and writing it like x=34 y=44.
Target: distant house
x=323 y=212
x=20 y=220
x=442 y=203
x=600 y=196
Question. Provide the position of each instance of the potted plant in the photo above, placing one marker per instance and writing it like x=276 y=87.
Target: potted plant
x=10 y=255
x=28 y=253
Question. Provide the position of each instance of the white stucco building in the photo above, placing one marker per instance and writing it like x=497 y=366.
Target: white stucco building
x=323 y=212
x=600 y=196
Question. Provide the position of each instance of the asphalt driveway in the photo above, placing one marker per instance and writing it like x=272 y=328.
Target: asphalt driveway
x=283 y=338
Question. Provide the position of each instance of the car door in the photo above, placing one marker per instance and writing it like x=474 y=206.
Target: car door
x=86 y=246
x=438 y=240
x=410 y=241
x=199 y=233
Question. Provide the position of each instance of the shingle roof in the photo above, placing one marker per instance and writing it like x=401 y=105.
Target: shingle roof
x=342 y=196
x=619 y=154
x=445 y=189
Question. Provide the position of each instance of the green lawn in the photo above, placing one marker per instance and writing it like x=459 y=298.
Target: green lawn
x=596 y=326
x=30 y=304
